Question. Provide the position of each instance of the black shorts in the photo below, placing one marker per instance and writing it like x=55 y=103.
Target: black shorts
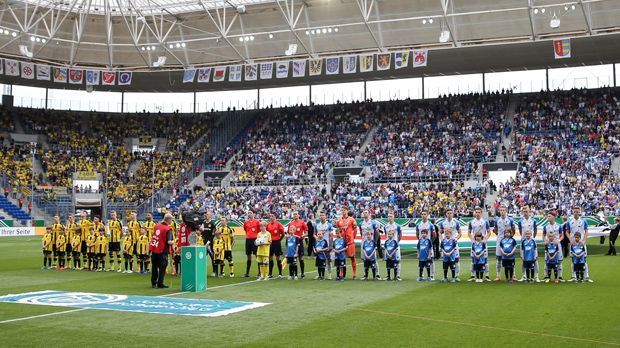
x=340 y=263
x=448 y=264
x=291 y=260
x=391 y=264
x=422 y=264
x=478 y=267
x=300 y=248
x=250 y=246
x=84 y=248
x=552 y=266
x=228 y=256
x=115 y=246
x=276 y=248
x=369 y=263
x=508 y=263
x=320 y=263
x=47 y=252
x=91 y=255
x=101 y=255
x=579 y=266
x=127 y=256
x=528 y=264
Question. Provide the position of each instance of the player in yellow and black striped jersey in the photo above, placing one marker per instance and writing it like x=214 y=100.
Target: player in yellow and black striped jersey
x=142 y=251
x=85 y=225
x=218 y=254
x=72 y=229
x=115 y=228
x=56 y=228
x=101 y=247
x=76 y=243
x=134 y=230
x=149 y=224
x=176 y=257
x=128 y=245
x=47 y=245
x=61 y=247
x=228 y=237
x=90 y=248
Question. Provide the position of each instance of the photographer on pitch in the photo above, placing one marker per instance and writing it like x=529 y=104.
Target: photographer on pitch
x=159 y=246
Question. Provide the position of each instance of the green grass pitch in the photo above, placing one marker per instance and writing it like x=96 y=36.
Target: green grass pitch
x=319 y=314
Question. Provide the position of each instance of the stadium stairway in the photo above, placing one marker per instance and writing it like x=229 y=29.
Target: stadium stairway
x=615 y=165
x=369 y=137
x=19 y=127
x=13 y=210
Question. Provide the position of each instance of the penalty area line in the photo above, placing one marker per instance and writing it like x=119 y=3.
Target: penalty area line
x=443 y=321
x=43 y=315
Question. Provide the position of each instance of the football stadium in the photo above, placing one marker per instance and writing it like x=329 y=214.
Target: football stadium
x=291 y=173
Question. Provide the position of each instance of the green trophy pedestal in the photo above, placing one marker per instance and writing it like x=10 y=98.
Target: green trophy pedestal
x=194 y=268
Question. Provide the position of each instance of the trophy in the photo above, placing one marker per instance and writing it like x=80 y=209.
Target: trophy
x=193 y=238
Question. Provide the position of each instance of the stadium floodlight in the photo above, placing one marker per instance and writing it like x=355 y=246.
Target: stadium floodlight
x=241 y=9
x=161 y=61
x=292 y=49
x=444 y=36
x=554 y=23
x=23 y=49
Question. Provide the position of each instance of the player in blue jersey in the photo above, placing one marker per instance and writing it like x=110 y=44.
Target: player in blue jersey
x=529 y=255
x=292 y=247
x=426 y=224
x=526 y=223
x=392 y=255
x=508 y=248
x=479 y=226
x=555 y=229
x=320 y=250
x=503 y=224
x=398 y=235
x=326 y=228
x=448 y=247
x=368 y=225
x=425 y=255
x=369 y=255
x=340 y=256
x=579 y=253
x=577 y=224
x=451 y=224
x=552 y=257
x=479 y=256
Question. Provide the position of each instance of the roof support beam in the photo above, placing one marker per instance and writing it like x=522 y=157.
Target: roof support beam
x=530 y=11
x=220 y=23
x=108 y=33
x=80 y=24
x=586 y=16
x=291 y=19
x=444 y=8
x=365 y=7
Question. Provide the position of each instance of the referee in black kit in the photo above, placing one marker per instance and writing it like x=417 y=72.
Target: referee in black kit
x=207 y=231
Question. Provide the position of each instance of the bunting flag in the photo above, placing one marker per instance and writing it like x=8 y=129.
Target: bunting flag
x=60 y=75
x=251 y=72
x=282 y=70
x=44 y=72
x=189 y=75
x=401 y=59
x=316 y=67
x=27 y=71
x=204 y=74
x=76 y=76
x=124 y=78
x=219 y=74
x=1 y=66
x=366 y=63
x=561 y=48
x=332 y=65
x=299 y=68
x=383 y=61
x=92 y=77
x=420 y=58
x=108 y=78
x=266 y=71
x=349 y=64
x=235 y=72
x=11 y=67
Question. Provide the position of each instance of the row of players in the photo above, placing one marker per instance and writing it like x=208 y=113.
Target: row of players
x=346 y=225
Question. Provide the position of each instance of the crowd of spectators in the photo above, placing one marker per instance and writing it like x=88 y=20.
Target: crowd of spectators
x=446 y=138
x=302 y=144
x=565 y=143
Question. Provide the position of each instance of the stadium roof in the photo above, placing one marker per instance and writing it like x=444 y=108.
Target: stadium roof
x=134 y=33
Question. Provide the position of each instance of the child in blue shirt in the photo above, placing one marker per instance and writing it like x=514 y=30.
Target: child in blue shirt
x=507 y=249
x=529 y=255
x=448 y=248
x=578 y=253
x=369 y=252
x=425 y=255
x=320 y=250
x=552 y=257
x=479 y=252
x=292 y=246
x=391 y=255
x=340 y=247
